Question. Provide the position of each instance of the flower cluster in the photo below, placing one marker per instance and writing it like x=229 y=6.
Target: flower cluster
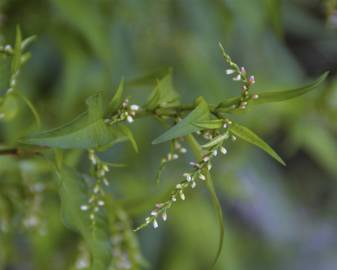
x=199 y=172
x=240 y=74
x=96 y=199
x=126 y=112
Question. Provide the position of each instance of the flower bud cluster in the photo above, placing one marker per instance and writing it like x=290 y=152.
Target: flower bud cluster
x=125 y=113
x=198 y=173
x=96 y=199
x=240 y=74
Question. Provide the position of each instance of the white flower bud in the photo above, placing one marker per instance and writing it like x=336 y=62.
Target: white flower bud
x=237 y=78
x=164 y=216
x=183 y=150
x=101 y=203
x=129 y=118
x=155 y=224
x=194 y=184
x=229 y=71
x=134 y=107
x=202 y=177
x=182 y=195
x=84 y=207
x=215 y=152
x=223 y=150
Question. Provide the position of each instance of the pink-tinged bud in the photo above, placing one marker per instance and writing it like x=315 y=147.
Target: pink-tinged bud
x=251 y=80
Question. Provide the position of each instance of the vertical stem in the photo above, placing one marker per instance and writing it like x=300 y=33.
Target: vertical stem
x=197 y=151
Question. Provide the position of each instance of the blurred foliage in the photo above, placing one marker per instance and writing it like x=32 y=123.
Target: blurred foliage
x=275 y=217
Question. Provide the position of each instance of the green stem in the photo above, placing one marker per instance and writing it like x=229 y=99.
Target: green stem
x=197 y=151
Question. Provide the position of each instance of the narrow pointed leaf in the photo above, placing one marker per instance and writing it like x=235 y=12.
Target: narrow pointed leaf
x=209 y=124
x=268 y=97
x=88 y=130
x=117 y=99
x=128 y=134
x=250 y=137
x=186 y=126
x=278 y=96
x=163 y=94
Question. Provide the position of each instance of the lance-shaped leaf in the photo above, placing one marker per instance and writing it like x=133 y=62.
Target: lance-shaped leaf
x=117 y=99
x=209 y=124
x=73 y=193
x=88 y=130
x=186 y=126
x=277 y=96
x=163 y=95
x=250 y=137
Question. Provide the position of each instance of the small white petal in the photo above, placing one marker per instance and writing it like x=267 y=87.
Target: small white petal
x=215 y=152
x=154 y=213
x=175 y=156
x=229 y=71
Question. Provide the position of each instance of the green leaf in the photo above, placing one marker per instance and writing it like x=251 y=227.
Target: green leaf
x=197 y=151
x=73 y=193
x=209 y=124
x=186 y=126
x=26 y=42
x=250 y=137
x=117 y=99
x=88 y=130
x=164 y=94
x=128 y=133
x=268 y=97
x=277 y=96
x=147 y=79
x=16 y=62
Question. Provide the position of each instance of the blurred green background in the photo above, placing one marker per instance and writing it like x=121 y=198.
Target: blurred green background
x=275 y=217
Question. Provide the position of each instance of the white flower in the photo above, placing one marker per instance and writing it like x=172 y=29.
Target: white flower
x=134 y=107
x=255 y=96
x=175 y=156
x=174 y=199
x=223 y=150
x=237 y=78
x=206 y=158
x=183 y=150
x=105 y=181
x=129 y=119
x=251 y=79
x=187 y=176
x=225 y=125
x=209 y=166
x=178 y=186
x=100 y=203
x=182 y=195
x=215 y=152
x=164 y=216
x=193 y=185
x=202 y=177
x=229 y=71
x=84 y=207
x=96 y=189
x=155 y=224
